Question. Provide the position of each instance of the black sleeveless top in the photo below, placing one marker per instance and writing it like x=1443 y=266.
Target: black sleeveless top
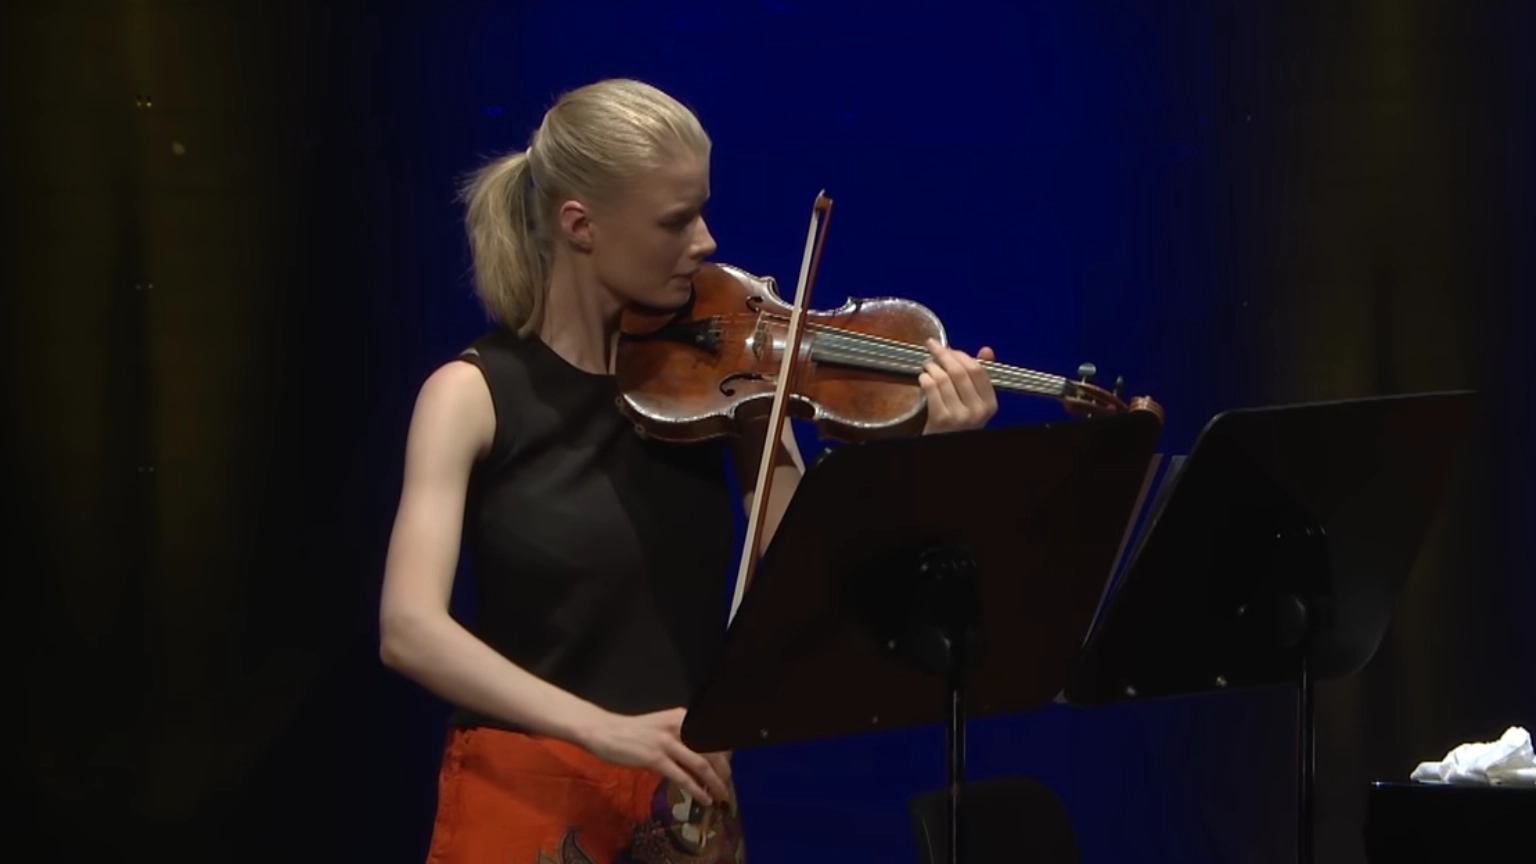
x=601 y=559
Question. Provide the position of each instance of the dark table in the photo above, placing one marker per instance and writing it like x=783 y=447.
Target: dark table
x=1428 y=822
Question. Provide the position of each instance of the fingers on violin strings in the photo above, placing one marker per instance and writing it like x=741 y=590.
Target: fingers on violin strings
x=943 y=389
x=983 y=383
x=974 y=371
x=968 y=378
x=954 y=361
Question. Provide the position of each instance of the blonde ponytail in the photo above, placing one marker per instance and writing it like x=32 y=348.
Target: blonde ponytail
x=511 y=262
x=593 y=142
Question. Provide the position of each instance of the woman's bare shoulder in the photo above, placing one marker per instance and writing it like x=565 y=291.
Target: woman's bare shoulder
x=454 y=408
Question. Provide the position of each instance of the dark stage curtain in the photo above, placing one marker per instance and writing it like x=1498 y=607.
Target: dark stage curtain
x=197 y=196
x=1383 y=228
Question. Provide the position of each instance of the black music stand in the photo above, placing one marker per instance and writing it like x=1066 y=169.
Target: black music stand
x=924 y=580
x=1278 y=556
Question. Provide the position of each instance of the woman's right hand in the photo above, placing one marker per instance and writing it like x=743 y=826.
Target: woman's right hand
x=655 y=741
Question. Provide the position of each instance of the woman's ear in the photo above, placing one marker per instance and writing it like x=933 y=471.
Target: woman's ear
x=576 y=225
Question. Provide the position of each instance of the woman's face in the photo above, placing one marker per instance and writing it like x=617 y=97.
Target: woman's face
x=646 y=245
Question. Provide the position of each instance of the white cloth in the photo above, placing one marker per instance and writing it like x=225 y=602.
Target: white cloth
x=1508 y=761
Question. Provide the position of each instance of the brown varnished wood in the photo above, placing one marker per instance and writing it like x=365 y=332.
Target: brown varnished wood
x=671 y=364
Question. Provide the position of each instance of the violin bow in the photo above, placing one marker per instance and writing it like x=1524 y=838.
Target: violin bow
x=821 y=214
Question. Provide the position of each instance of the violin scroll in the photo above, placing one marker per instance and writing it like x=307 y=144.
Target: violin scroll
x=1086 y=399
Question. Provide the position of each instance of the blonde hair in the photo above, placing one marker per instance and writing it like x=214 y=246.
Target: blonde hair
x=591 y=143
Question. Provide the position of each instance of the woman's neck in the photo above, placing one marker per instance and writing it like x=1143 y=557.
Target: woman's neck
x=581 y=319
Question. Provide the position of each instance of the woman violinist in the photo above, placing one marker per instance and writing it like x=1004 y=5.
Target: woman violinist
x=601 y=556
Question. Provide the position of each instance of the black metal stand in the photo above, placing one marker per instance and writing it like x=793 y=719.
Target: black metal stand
x=936 y=628
x=882 y=604
x=1277 y=557
x=1306 y=757
x=1287 y=604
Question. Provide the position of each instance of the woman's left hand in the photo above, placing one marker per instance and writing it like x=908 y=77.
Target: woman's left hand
x=960 y=395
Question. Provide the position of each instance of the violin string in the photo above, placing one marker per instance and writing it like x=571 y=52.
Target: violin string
x=916 y=355
x=884 y=357
x=867 y=338
x=910 y=357
x=911 y=360
x=905 y=357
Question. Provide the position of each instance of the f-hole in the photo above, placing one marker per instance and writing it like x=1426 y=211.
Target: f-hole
x=728 y=390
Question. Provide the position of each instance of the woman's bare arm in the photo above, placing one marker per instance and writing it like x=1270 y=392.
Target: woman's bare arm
x=451 y=428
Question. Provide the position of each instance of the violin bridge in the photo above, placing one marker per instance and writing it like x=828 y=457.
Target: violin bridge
x=760 y=338
x=759 y=343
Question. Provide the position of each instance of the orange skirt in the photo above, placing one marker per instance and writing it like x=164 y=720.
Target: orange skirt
x=510 y=798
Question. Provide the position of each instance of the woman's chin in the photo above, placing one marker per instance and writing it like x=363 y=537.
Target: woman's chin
x=678 y=292
x=663 y=302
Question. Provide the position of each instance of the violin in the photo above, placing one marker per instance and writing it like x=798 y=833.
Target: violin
x=697 y=372
x=737 y=353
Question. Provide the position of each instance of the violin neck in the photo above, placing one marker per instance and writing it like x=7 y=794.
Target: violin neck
x=909 y=359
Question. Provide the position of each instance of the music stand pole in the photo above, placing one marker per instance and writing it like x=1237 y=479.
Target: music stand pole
x=1306 y=808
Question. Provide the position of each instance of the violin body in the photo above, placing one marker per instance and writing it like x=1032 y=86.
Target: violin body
x=699 y=371
x=702 y=370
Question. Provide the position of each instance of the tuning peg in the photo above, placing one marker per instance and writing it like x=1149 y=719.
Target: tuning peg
x=1119 y=383
x=1086 y=372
